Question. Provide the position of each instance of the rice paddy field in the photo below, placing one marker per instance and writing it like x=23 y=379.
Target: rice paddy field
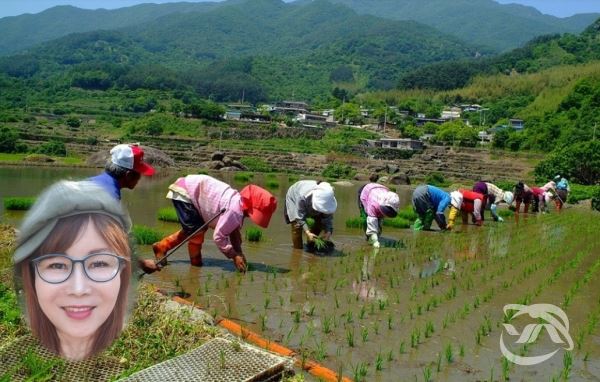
x=427 y=306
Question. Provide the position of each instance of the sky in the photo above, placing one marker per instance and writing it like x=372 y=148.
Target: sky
x=560 y=8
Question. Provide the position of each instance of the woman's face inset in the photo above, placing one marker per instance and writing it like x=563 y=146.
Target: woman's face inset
x=78 y=306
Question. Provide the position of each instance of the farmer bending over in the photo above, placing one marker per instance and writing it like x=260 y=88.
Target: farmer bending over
x=309 y=198
x=492 y=196
x=375 y=201
x=430 y=202
x=197 y=198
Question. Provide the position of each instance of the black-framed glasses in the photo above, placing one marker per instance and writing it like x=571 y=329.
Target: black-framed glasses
x=98 y=267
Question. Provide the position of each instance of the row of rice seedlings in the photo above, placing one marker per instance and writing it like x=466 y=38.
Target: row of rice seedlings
x=18 y=203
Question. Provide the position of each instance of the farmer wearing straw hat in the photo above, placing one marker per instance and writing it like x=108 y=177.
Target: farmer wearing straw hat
x=492 y=196
x=199 y=197
x=309 y=198
x=123 y=170
x=430 y=202
x=375 y=201
x=466 y=202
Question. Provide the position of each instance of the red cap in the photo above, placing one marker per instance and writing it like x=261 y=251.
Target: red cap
x=131 y=157
x=258 y=203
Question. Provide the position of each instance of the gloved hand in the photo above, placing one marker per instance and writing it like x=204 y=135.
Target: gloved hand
x=441 y=220
x=500 y=219
x=374 y=240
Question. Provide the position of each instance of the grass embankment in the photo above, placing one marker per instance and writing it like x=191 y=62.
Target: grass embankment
x=34 y=159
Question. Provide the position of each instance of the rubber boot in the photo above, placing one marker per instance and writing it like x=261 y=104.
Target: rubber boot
x=161 y=248
x=297 y=236
x=195 y=249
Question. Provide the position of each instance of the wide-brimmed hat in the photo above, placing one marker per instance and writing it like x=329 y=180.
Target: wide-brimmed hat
x=259 y=204
x=323 y=199
x=389 y=203
x=64 y=199
x=131 y=156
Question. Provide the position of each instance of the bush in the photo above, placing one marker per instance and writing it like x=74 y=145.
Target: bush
x=18 y=203
x=338 y=170
x=167 y=214
x=145 y=235
x=254 y=234
x=580 y=192
x=54 y=148
x=596 y=200
x=436 y=179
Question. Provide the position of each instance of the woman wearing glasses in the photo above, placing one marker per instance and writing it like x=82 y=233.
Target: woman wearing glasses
x=73 y=259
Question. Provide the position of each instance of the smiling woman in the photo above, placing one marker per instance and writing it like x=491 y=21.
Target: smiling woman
x=73 y=263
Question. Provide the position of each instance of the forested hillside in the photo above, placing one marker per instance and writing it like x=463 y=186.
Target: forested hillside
x=483 y=22
x=263 y=49
x=540 y=53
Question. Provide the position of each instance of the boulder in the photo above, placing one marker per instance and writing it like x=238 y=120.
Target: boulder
x=229 y=168
x=361 y=177
x=400 y=179
x=227 y=161
x=239 y=165
x=214 y=165
x=375 y=168
x=392 y=168
x=217 y=156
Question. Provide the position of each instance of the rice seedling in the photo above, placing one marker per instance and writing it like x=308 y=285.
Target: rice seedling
x=390 y=356
x=415 y=338
x=350 y=337
x=389 y=321
x=379 y=362
x=397 y=222
x=17 y=203
x=254 y=234
x=320 y=352
x=297 y=316
x=439 y=362
x=505 y=369
x=360 y=372
x=429 y=329
x=349 y=318
x=449 y=354
x=357 y=222
x=222 y=359
x=427 y=374
x=567 y=364
x=363 y=311
x=167 y=214
x=263 y=322
x=364 y=334
x=326 y=327
x=402 y=348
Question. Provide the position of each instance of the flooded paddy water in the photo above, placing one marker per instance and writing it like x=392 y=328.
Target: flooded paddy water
x=431 y=309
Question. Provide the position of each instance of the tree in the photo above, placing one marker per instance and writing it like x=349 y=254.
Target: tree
x=579 y=162
x=348 y=112
x=8 y=140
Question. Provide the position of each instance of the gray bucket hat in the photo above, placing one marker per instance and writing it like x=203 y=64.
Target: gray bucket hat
x=61 y=200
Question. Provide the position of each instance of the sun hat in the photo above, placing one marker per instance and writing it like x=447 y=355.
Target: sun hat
x=389 y=203
x=508 y=197
x=259 y=203
x=456 y=199
x=323 y=199
x=131 y=156
x=64 y=199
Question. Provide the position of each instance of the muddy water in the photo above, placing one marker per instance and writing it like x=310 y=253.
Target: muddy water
x=399 y=314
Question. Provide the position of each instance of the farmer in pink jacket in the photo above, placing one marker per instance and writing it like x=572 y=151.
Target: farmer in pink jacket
x=197 y=198
x=376 y=201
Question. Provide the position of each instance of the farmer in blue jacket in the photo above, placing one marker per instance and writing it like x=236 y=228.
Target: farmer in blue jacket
x=430 y=203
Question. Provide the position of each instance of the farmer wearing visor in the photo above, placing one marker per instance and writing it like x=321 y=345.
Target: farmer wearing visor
x=197 y=198
x=375 y=201
x=430 y=202
x=310 y=199
x=492 y=196
x=123 y=170
x=467 y=202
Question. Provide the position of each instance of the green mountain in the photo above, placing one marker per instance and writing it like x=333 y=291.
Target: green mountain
x=539 y=54
x=20 y=32
x=262 y=48
x=480 y=22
